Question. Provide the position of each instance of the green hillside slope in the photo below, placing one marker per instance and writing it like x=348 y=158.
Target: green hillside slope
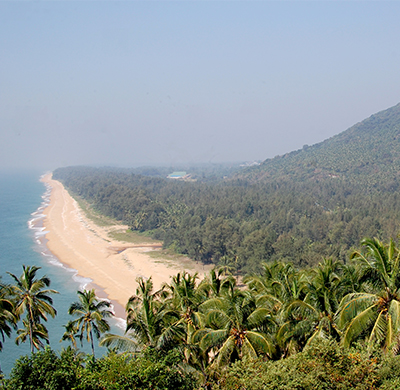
x=368 y=153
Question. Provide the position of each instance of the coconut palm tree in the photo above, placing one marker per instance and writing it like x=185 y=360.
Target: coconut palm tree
x=278 y=286
x=181 y=315
x=144 y=323
x=70 y=333
x=7 y=318
x=36 y=333
x=313 y=315
x=184 y=297
x=235 y=328
x=32 y=297
x=144 y=313
x=217 y=282
x=276 y=289
x=92 y=314
x=375 y=312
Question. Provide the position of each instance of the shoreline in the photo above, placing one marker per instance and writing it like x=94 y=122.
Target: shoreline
x=112 y=266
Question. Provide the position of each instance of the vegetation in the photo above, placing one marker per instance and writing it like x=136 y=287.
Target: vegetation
x=7 y=317
x=70 y=370
x=324 y=366
x=92 y=314
x=319 y=201
x=334 y=326
x=31 y=296
x=366 y=155
x=312 y=310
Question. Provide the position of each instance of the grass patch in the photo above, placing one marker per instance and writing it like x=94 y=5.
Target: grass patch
x=131 y=237
x=166 y=254
x=93 y=215
x=175 y=259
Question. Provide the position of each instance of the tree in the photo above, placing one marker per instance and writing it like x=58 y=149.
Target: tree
x=36 y=333
x=144 y=321
x=278 y=286
x=7 y=318
x=277 y=290
x=374 y=312
x=31 y=296
x=313 y=316
x=217 y=282
x=144 y=313
x=47 y=370
x=182 y=317
x=70 y=332
x=235 y=328
x=92 y=314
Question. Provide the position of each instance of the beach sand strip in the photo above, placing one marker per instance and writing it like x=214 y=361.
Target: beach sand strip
x=112 y=265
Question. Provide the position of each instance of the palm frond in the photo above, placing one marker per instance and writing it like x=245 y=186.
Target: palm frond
x=352 y=304
x=225 y=352
x=124 y=343
x=260 y=343
x=359 y=324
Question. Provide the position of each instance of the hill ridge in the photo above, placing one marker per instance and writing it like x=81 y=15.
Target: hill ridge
x=366 y=148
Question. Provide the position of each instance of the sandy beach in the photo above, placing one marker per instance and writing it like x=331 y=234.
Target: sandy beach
x=113 y=266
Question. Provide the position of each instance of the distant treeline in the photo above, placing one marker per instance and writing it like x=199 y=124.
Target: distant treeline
x=236 y=223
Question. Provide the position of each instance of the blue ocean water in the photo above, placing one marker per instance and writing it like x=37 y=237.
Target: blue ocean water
x=22 y=200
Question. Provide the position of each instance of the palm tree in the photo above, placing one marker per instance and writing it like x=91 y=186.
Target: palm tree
x=7 y=318
x=185 y=297
x=217 y=282
x=31 y=296
x=277 y=290
x=144 y=313
x=92 y=314
x=313 y=315
x=235 y=328
x=181 y=314
x=278 y=286
x=375 y=312
x=37 y=332
x=144 y=323
x=71 y=331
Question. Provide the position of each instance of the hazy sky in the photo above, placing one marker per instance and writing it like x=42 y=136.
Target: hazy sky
x=149 y=82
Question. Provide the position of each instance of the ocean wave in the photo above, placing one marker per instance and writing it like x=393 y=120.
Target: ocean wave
x=120 y=323
x=36 y=225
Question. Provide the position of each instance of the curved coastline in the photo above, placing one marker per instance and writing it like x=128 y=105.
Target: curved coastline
x=75 y=243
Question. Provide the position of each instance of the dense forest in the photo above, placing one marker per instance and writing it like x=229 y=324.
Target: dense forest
x=313 y=203
x=334 y=326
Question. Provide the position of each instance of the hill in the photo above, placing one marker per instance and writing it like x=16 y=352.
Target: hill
x=366 y=154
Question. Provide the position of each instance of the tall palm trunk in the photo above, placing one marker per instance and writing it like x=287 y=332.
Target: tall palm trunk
x=31 y=329
x=92 y=344
x=31 y=335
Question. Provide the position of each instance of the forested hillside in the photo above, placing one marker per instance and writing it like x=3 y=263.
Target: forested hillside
x=313 y=203
x=367 y=155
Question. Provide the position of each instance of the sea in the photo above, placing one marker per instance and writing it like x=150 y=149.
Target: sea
x=23 y=198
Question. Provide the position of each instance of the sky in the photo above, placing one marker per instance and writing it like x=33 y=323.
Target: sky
x=130 y=83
